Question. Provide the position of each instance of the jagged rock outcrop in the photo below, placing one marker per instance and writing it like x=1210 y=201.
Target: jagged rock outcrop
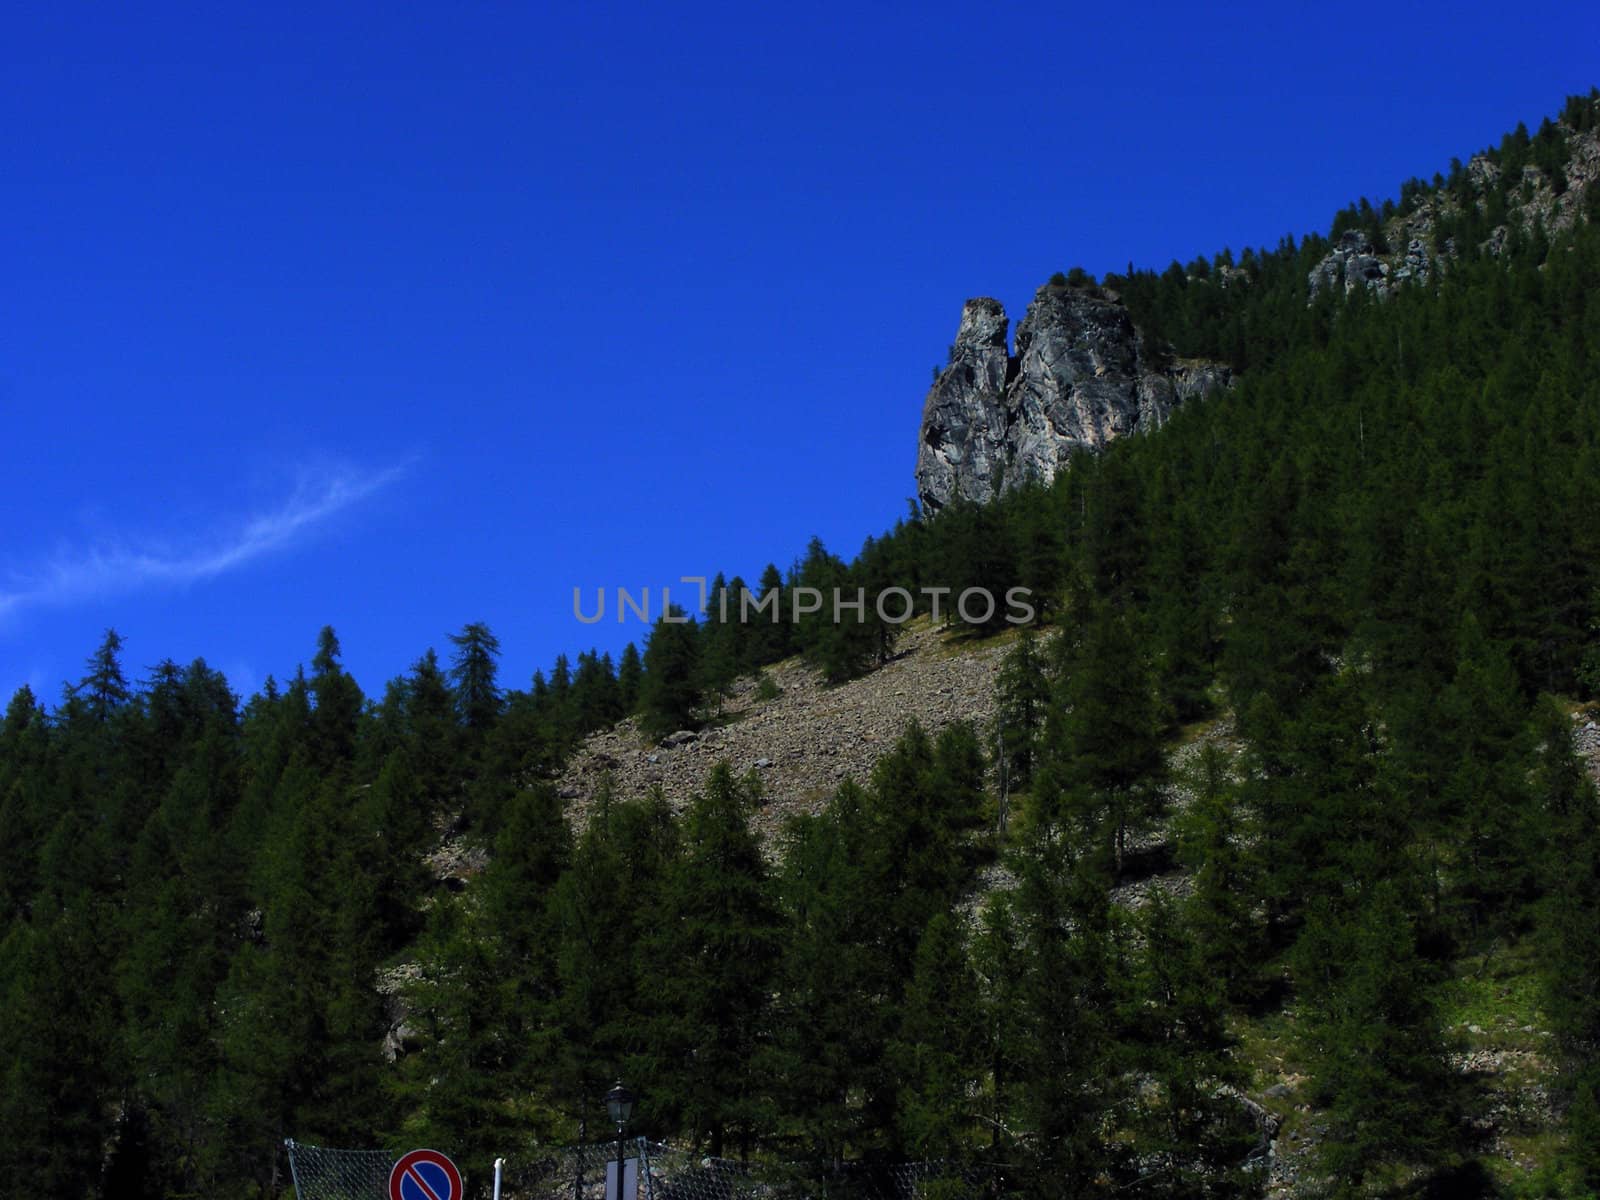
x=1414 y=252
x=964 y=420
x=1354 y=263
x=1082 y=375
x=1350 y=263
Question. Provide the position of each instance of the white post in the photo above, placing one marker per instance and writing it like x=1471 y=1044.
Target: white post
x=498 y=1164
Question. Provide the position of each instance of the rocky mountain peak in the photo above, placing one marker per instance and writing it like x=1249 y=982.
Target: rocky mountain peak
x=983 y=327
x=1082 y=375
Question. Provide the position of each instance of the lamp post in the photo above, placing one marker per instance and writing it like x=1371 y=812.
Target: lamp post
x=619 y=1103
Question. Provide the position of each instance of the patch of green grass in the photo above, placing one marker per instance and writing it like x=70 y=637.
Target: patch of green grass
x=1574 y=707
x=1269 y=1046
x=1534 y=1171
x=1500 y=994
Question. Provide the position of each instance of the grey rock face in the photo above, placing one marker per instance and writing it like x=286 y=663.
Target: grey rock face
x=1082 y=376
x=964 y=422
x=1415 y=264
x=1354 y=263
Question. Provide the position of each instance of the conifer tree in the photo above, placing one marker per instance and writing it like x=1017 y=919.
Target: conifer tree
x=1483 y=782
x=595 y=699
x=1186 y=1118
x=1022 y=701
x=1104 y=759
x=1372 y=1034
x=1000 y=965
x=829 y=1035
x=630 y=672
x=937 y=1048
x=59 y=1060
x=104 y=689
x=719 y=657
x=669 y=694
x=24 y=766
x=432 y=738
x=1213 y=838
x=473 y=673
x=1569 y=932
x=390 y=833
x=1071 y=1076
x=1324 y=799
x=841 y=641
x=522 y=922
x=338 y=705
x=453 y=1085
x=715 y=954
x=772 y=631
x=613 y=895
x=916 y=862
x=1114 y=534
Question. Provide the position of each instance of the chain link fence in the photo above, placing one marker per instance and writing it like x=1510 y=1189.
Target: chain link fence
x=579 y=1173
x=685 y=1177
x=323 y=1174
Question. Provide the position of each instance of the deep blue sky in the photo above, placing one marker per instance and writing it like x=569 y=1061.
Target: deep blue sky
x=399 y=317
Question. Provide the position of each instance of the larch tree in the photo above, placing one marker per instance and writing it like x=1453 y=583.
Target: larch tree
x=474 y=671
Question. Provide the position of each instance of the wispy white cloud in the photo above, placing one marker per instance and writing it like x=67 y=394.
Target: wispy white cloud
x=114 y=567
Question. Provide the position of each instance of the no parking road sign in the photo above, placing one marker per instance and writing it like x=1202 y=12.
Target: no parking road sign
x=424 y=1175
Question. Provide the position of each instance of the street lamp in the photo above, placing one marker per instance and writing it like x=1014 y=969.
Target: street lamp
x=619 y=1103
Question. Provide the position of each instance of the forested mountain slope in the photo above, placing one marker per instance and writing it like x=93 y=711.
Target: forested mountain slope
x=1374 y=557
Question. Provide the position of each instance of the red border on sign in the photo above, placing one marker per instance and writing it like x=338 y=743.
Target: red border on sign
x=428 y=1156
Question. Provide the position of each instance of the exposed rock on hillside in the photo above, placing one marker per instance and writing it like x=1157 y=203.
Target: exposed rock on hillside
x=804 y=743
x=1538 y=200
x=1354 y=263
x=1586 y=742
x=965 y=420
x=1082 y=376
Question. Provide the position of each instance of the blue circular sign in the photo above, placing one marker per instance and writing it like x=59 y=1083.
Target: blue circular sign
x=424 y=1175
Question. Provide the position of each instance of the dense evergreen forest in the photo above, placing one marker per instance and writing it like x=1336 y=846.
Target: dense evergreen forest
x=1378 y=557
